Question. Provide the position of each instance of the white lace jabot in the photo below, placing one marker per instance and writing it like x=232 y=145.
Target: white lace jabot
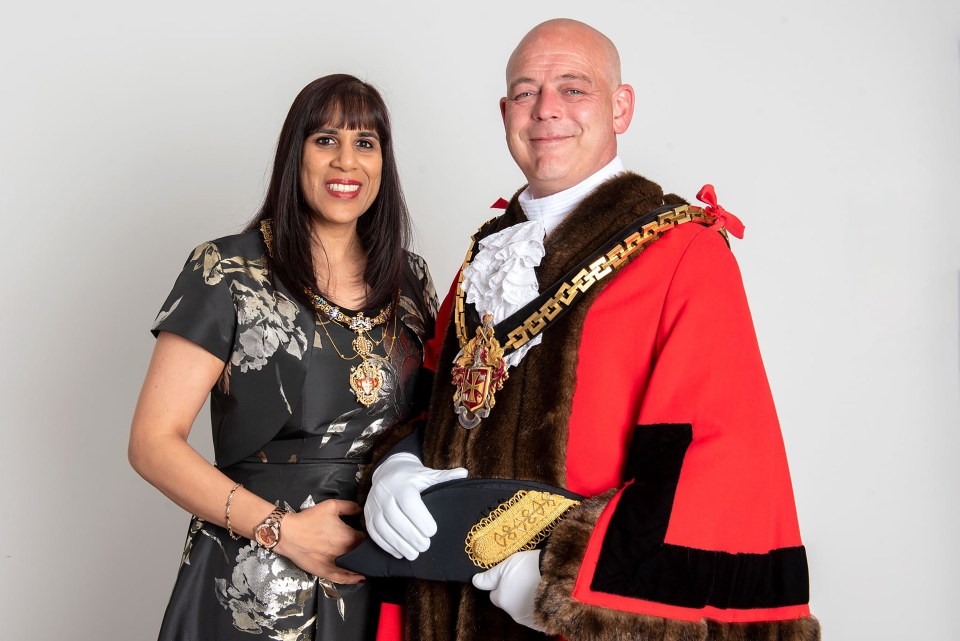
x=501 y=278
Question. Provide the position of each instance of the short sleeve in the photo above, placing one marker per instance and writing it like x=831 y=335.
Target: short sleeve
x=418 y=299
x=427 y=290
x=200 y=307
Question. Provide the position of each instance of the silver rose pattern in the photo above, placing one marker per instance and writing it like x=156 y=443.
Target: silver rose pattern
x=265 y=322
x=263 y=591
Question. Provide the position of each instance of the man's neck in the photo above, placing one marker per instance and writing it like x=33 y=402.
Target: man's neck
x=552 y=209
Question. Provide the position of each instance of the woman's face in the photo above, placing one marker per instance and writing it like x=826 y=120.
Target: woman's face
x=340 y=173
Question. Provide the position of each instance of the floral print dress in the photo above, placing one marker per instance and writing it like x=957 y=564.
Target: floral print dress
x=287 y=426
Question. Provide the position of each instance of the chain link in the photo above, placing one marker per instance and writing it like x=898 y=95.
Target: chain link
x=583 y=280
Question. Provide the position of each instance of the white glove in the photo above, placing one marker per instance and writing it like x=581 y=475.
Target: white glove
x=397 y=519
x=513 y=586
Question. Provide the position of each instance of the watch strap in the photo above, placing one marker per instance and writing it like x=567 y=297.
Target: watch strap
x=272 y=522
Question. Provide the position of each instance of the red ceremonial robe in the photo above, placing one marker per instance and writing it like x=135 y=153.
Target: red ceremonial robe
x=650 y=397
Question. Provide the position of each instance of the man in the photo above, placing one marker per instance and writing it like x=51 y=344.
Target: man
x=649 y=381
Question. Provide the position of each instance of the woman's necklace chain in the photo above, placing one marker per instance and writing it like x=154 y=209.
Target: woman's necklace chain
x=360 y=324
x=359 y=353
x=367 y=378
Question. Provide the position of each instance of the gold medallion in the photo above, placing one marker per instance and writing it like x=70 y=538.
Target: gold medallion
x=362 y=345
x=478 y=375
x=366 y=380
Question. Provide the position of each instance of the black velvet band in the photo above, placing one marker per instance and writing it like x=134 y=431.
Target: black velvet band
x=635 y=562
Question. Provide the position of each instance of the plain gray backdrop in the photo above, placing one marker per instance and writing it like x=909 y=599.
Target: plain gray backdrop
x=131 y=132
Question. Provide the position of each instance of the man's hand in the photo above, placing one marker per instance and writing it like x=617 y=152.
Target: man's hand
x=397 y=519
x=513 y=586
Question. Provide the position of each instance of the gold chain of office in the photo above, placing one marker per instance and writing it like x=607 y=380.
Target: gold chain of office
x=583 y=280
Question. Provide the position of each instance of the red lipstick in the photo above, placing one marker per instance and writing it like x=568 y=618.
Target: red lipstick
x=344 y=188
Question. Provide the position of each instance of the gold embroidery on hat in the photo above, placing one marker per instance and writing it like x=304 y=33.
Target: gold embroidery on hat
x=518 y=524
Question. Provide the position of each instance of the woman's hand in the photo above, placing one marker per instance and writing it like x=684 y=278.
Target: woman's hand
x=313 y=539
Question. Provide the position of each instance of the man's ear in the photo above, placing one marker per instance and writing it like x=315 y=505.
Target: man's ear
x=623 y=99
x=503 y=108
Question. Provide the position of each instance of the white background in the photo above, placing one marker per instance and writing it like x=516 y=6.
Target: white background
x=130 y=132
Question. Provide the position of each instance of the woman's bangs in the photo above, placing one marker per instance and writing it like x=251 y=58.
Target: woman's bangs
x=351 y=108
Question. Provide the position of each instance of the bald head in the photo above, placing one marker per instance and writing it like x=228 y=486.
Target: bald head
x=565 y=105
x=572 y=35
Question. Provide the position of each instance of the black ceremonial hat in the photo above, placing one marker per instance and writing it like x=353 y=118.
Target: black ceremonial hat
x=480 y=522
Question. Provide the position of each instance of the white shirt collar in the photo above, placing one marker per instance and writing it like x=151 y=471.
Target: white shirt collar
x=551 y=210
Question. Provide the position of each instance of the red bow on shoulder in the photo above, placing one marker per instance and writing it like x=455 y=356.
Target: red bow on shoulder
x=724 y=218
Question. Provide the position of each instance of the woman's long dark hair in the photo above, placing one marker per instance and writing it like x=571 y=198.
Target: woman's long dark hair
x=345 y=102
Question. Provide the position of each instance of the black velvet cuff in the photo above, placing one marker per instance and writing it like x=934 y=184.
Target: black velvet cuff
x=635 y=561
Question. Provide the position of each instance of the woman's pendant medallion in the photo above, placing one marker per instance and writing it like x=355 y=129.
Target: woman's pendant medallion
x=366 y=381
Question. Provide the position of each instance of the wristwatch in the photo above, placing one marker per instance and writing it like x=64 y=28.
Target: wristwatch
x=267 y=534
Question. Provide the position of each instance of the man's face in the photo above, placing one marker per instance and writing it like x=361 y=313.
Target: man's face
x=562 y=110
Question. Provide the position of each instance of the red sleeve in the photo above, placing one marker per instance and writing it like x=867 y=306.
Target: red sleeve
x=705 y=526
x=734 y=492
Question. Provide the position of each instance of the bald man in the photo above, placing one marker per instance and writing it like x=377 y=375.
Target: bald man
x=598 y=337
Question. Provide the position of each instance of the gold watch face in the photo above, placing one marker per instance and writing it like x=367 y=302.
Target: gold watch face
x=267 y=535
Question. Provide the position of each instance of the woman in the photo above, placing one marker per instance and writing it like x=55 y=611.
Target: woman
x=306 y=330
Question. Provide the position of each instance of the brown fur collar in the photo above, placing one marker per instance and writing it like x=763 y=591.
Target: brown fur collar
x=526 y=434
x=559 y=613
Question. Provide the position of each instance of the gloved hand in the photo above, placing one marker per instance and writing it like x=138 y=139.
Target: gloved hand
x=513 y=586
x=397 y=519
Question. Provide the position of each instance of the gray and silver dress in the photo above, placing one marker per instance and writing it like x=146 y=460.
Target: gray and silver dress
x=287 y=426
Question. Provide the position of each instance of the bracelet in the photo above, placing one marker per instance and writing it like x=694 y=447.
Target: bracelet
x=235 y=537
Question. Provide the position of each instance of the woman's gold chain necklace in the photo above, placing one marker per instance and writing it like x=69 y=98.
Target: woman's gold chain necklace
x=322 y=323
x=367 y=378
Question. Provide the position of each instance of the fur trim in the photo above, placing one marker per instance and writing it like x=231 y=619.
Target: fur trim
x=559 y=613
x=806 y=629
